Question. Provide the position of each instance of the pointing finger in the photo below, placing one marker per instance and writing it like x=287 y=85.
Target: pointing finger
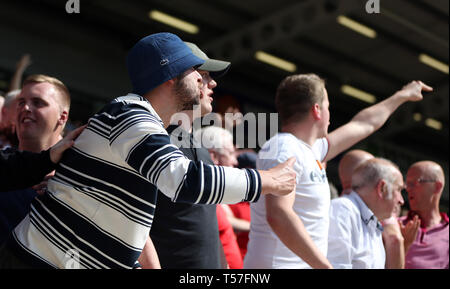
x=425 y=87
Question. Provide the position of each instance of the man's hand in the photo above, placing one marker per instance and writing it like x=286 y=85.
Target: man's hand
x=58 y=149
x=409 y=231
x=41 y=188
x=24 y=62
x=279 y=180
x=413 y=90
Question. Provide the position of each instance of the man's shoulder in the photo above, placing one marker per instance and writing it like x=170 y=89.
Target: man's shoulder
x=281 y=144
x=131 y=101
x=344 y=206
x=127 y=106
x=343 y=201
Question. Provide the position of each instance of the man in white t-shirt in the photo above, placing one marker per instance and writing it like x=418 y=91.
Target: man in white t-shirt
x=292 y=231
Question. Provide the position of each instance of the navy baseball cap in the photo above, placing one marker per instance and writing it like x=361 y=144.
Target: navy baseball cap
x=157 y=58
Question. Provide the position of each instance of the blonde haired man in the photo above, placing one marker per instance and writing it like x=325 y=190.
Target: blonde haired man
x=42 y=110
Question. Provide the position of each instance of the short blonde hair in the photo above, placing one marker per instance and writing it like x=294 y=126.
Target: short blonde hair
x=63 y=91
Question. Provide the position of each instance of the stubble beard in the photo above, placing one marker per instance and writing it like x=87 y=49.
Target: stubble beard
x=187 y=97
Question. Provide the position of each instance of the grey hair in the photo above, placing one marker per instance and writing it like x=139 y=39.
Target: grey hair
x=11 y=96
x=213 y=137
x=370 y=172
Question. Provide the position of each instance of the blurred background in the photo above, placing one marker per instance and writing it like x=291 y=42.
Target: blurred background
x=364 y=57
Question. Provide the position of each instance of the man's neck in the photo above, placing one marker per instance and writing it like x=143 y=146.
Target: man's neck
x=429 y=218
x=302 y=131
x=38 y=145
x=368 y=197
x=163 y=104
x=165 y=114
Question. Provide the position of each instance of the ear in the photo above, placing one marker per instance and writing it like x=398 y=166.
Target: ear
x=381 y=189
x=438 y=187
x=316 y=112
x=63 y=117
x=168 y=84
x=214 y=157
x=171 y=81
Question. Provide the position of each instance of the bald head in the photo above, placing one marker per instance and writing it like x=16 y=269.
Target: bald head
x=429 y=169
x=349 y=162
x=425 y=181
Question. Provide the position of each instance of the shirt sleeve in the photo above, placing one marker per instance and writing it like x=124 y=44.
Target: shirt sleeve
x=321 y=147
x=19 y=170
x=278 y=153
x=145 y=146
x=340 y=252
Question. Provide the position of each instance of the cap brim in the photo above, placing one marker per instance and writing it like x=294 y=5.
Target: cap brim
x=216 y=68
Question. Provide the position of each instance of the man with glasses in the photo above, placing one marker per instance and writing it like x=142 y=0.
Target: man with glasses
x=425 y=182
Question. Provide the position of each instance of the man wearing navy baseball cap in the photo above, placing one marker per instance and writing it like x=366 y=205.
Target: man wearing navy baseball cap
x=195 y=224
x=101 y=202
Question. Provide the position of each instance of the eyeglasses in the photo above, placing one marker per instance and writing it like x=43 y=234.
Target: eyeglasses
x=418 y=181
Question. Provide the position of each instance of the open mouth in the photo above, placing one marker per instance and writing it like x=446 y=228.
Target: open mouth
x=27 y=120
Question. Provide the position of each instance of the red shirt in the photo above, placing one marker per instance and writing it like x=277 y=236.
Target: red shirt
x=242 y=211
x=228 y=239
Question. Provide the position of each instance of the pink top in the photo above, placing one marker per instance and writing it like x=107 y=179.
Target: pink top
x=430 y=249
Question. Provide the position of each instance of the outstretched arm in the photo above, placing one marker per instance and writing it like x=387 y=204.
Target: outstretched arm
x=23 y=169
x=369 y=120
x=145 y=146
x=16 y=81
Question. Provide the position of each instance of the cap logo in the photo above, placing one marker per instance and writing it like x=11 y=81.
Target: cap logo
x=164 y=61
